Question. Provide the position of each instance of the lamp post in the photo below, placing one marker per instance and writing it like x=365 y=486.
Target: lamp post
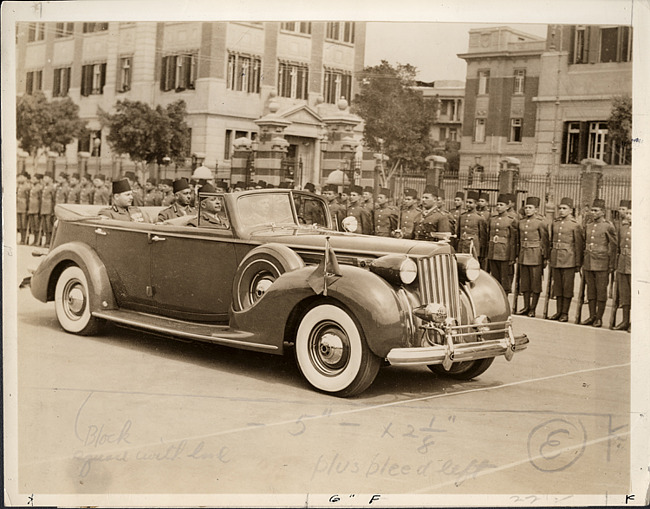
x=97 y=142
x=348 y=146
x=166 y=160
x=324 y=141
x=473 y=169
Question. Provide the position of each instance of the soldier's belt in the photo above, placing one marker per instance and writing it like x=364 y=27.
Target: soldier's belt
x=499 y=240
x=596 y=249
x=530 y=243
x=467 y=236
x=562 y=245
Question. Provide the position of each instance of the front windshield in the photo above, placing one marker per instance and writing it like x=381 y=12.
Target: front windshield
x=265 y=208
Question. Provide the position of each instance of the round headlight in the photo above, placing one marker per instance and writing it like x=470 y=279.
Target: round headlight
x=472 y=269
x=408 y=271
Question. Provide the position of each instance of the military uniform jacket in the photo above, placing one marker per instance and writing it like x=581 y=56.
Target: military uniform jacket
x=338 y=213
x=451 y=220
x=47 y=199
x=363 y=218
x=624 y=251
x=61 y=195
x=533 y=240
x=153 y=198
x=431 y=221
x=502 y=242
x=472 y=228
x=125 y=214
x=86 y=194
x=138 y=196
x=567 y=243
x=22 y=197
x=457 y=213
x=600 y=246
x=175 y=210
x=485 y=214
x=167 y=199
x=74 y=194
x=385 y=220
x=410 y=216
x=209 y=220
x=101 y=196
x=35 y=199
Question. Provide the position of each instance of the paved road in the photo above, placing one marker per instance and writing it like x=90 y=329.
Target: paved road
x=129 y=412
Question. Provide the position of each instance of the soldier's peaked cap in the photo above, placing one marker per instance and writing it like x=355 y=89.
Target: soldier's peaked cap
x=180 y=185
x=121 y=186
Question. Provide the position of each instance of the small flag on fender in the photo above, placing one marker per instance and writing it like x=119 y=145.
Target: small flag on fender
x=327 y=271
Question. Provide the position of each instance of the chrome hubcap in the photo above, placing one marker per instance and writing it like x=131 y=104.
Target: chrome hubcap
x=329 y=348
x=261 y=287
x=75 y=300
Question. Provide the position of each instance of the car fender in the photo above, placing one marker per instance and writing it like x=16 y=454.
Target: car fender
x=44 y=279
x=371 y=299
x=488 y=298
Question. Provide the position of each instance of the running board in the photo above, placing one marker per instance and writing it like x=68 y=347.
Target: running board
x=220 y=334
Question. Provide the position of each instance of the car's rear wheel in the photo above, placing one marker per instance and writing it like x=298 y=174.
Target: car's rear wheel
x=463 y=370
x=72 y=303
x=332 y=353
x=259 y=270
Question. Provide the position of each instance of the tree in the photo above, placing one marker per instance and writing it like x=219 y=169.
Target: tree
x=395 y=112
x=47 y=125
x=619 y=124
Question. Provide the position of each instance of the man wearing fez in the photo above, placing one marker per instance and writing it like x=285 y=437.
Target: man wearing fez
x=330 y=193
x=385 y=216
x=368 y=202
x=34 y=206
x=211 y=214
x=359 y=212
x=431 y=220
x=152 y=195
x=623 y=207
x=410 y=213
x=86 y=190
x=459 y=200
x=62 y=188
x=167 y=196
x=181 y=206
x=471 y=231
x=439 y=194
x=101 y=194
x=624 y=267
x=122 y=208
x=599 y=261
x=567 y=249
x=74 y=193
x=47 y=208
x=533 y=254
x=22 y=201
x=138 y=192
x=502 y=246
x=482 y=206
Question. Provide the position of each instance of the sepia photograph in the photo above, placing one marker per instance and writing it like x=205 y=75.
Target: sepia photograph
x=345 y=254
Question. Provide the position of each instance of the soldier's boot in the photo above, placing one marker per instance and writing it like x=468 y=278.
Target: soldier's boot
x=600 y=310
x=566 y=304
x=592 y=313
x=559 y=302
x=23 y=236
x=625 y=324
x=526 y=308
x=533 y=305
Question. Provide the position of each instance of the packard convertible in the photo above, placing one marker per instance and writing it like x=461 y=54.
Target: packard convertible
x=276 y=277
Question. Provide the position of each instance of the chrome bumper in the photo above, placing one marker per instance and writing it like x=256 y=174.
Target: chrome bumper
x=447 y=354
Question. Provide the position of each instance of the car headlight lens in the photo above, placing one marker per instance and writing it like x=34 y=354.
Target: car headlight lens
x=396 y=269
x=468 y=267
x=408 y=271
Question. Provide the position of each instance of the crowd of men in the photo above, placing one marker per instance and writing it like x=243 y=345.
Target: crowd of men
x=513 y=245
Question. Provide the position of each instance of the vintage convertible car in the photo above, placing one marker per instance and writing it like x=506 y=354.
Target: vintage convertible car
x=274 y=278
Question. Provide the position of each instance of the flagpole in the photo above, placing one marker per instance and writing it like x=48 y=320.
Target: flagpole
x=327 y=249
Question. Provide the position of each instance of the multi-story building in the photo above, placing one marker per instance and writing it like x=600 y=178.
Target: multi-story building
x=227 y=73
x=449 y=111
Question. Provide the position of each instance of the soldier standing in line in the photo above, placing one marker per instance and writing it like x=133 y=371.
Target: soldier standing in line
x=368 y=202
x=62 y=189
x=624 y=267
x=123 y=208
x=567 y=248
x=502 y=245
x=431 y=220
x=482 y=206
x=152 y=196
x=359 y=212
x=167 y=197
x=471 y=231
x=344 y=200
x=86 y=190
x=181 y=206
x=410 y=213
x=533 y=254
x=459 y=201
x=599 y=261
x=47 y=208
x=22 y=201
x=623 y=207
x=330 y=193
x=101 y=194
x=440 y=202
x=75 y=189
x=385 y=216
x=34 y=206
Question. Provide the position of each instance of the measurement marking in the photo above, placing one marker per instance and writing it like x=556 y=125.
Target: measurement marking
x=349 y=424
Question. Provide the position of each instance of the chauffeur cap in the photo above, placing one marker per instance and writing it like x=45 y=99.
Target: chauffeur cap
x=121 y=186
x=532 y=200
x=472 y=195
x=567 y=201
x=598 y=203
x=180 y=185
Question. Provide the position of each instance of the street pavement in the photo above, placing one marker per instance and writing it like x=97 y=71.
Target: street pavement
x=130 y=412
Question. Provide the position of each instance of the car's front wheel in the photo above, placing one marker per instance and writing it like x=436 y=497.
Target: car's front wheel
x=465 y=370
x=72 y=303
x=332 y=353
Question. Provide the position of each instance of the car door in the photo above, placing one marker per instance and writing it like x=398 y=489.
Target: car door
x=192 y=271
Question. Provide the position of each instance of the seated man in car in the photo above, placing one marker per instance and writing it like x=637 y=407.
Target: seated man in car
x=122 y=207
x=211 y=215
x=181 y=207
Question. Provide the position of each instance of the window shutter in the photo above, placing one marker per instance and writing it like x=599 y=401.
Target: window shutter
x=86 y=80
x=583 y=146
x=56 y=88
x=592 y=40
x=66 y=88
x=102 y=81
x=163 y=74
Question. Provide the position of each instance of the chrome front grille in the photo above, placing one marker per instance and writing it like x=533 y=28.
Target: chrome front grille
x=438 y=280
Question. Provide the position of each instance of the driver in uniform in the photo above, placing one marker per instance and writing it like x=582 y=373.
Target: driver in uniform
x=211 y=215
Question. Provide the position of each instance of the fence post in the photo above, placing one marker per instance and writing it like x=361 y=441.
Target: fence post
x=591 y=176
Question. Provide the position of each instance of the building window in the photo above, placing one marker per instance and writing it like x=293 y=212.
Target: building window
x=178 y=72
x=244 y=73
x=479 y=130
x=483 y=82
x=341 y=31
x=337 y=84
x=615 y=44
x=89 y=28
x=442 y=135
x=572 y=144
x=293 y=80
x=64 y=30
x=620 y=154
x=125 y=70
x=299 y=27
x=515 y=130
x=580 y=46
x=34 y=82
x=61 y=82
x=597 y=147
x=93 y=79
x=87 y=144
x=453 y=134
x=227 y=145
x=36 y=32
x=520 y=78
x=591 y=139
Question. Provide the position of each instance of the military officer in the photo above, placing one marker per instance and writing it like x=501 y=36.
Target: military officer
x=599 y=261
x=62 y=188
x=47 y=208
x=623 y=207
x=330 y=193
x=471 y=231
x=368 y=202
x=410 y=213
x=86 y=190
x=75 y=189
x=181 y=205
x=167 y=195
x=34 y=206
x=359 y=212
x=482 y=206
x=439 y=193
x=567 y=249
x=459 y=201
x=624 y=268
x=211 y=215
x=152 y=195
x=502 y=245
x=533 y=254
x=385 y=216
x=431 y=220
x=344 y=199
x=101 y=194
x=138 y=192
x=22 y=201
x=123 y=208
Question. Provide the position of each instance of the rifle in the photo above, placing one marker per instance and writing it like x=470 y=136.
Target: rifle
x=615 y=303
x=515 y=296
x=548 y=291
x=581 y=298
